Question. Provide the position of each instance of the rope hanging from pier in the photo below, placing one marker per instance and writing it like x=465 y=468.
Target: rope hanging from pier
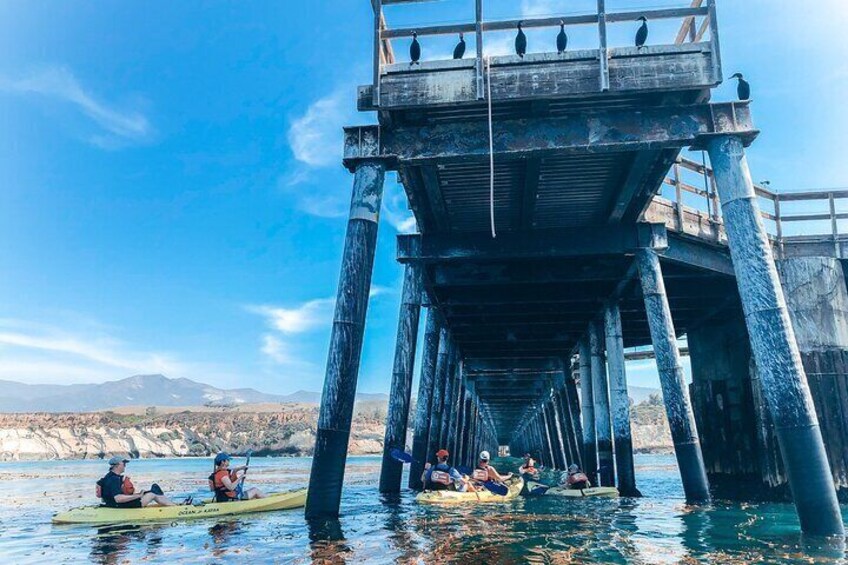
x=488 y=61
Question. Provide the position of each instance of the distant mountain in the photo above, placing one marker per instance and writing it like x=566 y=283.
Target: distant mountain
x=140 y=390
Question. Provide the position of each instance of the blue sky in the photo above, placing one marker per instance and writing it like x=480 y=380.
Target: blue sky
x=171 y=197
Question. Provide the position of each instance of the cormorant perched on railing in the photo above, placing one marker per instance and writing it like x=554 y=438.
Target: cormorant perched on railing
x=415 y=49
x=562 y=38
x=743 y=89
x=642 y=34
x=520 y=42
x=459 y=50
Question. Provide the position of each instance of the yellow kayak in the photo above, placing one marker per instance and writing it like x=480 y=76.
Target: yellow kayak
x=104 y=515
x=604 y=492
x=514 y=484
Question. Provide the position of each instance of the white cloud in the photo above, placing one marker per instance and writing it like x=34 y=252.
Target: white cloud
x=117 y=126
x=303 y=318
x=316 y=136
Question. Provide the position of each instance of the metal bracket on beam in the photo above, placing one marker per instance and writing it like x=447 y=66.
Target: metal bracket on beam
x=363 y=143
x=729 y=118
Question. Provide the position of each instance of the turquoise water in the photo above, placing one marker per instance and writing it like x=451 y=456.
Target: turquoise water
x=659 y=528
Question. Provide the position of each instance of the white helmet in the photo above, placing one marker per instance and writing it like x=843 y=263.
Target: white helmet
x=484 y=456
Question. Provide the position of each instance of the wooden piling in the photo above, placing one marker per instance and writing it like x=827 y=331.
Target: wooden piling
x=600 y=395
x=619 y=402
x=773 y=343
x=587 y=408
x=681 y=419
x=336 y=412
x=424 y=406
x=439 y=387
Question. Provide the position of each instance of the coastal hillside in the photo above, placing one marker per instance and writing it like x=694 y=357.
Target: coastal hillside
x=266 y=429
x=139 y=390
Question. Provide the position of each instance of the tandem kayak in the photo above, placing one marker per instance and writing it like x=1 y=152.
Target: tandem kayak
x=103 y=515
x=514 y=484
x=603 y=492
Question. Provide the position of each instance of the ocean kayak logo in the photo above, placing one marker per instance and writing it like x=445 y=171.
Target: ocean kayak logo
x=199 y=511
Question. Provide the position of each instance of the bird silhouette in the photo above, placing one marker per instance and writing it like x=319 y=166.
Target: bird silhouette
x=562 y=39
x=642 y=34
x=415 y=50
x=520 y=42
x=459 y=50
x=743 y=89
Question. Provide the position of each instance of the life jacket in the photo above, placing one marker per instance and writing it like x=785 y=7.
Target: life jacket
x=126 y=487
x=222 y=493
x=577 y=478
x=481 y=475
x=440 y=478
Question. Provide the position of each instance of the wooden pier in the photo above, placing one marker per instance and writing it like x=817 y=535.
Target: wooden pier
x=545 y=245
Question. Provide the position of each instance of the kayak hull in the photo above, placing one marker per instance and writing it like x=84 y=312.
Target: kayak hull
x=514 y=485
x=601 y=492
x=101 y=515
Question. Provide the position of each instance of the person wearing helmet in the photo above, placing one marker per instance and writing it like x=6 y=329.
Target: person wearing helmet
x=528 y=471
x=117 y=491
x=485 y=472
x=442 y=476
x=224 y=481
x=576 y=480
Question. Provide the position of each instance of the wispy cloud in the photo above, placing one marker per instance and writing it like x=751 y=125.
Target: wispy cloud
x=315 y=137
x=117 y=127
x=44 y=353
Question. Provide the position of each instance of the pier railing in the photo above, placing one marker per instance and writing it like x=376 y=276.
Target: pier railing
x=698 y=26
x=689 y=202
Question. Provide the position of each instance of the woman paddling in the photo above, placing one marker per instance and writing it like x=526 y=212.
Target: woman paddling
x=226 y=482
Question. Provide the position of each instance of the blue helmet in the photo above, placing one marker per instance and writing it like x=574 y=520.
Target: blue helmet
x=221 y=457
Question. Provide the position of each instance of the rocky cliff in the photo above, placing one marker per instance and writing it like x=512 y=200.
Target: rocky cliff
x=266 y=429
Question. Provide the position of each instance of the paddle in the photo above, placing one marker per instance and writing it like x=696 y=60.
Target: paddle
x=401 y=456
x=240 y=487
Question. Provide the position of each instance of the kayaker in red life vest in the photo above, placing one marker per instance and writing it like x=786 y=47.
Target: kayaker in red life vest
x=528 y=470
x=485 y=472
x=225 y=481
x=577 y=480
x=442 y=476
x=117 y=491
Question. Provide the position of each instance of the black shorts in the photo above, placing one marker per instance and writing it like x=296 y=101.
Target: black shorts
x=131 y=504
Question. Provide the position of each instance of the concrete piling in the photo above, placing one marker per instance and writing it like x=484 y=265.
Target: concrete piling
x=600 y=396
x=678 y=407
x=773 y=342
x=619 y=402
x=336 y=412
x=424 y=405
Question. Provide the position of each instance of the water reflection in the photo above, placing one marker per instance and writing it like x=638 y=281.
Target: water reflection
x=222 y=534
x=328 y=543
x=110 y=545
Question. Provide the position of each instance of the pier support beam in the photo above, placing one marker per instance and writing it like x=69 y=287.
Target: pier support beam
x=336 y=412
x=439 y=388
x=424 y=405
x=619 y=402
x=600 y=394
x=573 y=402
x=773 y=344
x=398 y=411
x=587 y=408
x=681 y=419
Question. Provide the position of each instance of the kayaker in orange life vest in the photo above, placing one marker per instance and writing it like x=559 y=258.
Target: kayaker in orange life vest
x=117 y=491
x=528 y=471
x=577 y=480
x=442 y=476
x=485 y=472
x=225 y=481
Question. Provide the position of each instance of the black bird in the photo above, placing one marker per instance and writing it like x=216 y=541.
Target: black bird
x=743 y=90
x=520 y=42
x=642 y=34
x=415 y=50
x=562 y=39
x=459 y=50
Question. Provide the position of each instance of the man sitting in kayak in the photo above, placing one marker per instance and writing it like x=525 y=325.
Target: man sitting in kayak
x=528 y=471
x=117 y=491
x=225 y=481
x=485 y=472
x=576 y=480
x=442 y=476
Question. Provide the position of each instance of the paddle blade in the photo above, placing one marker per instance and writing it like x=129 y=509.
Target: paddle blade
x=401 y=456
x=496 y=488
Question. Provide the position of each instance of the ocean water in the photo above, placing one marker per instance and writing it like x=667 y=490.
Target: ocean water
x=658 y=528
